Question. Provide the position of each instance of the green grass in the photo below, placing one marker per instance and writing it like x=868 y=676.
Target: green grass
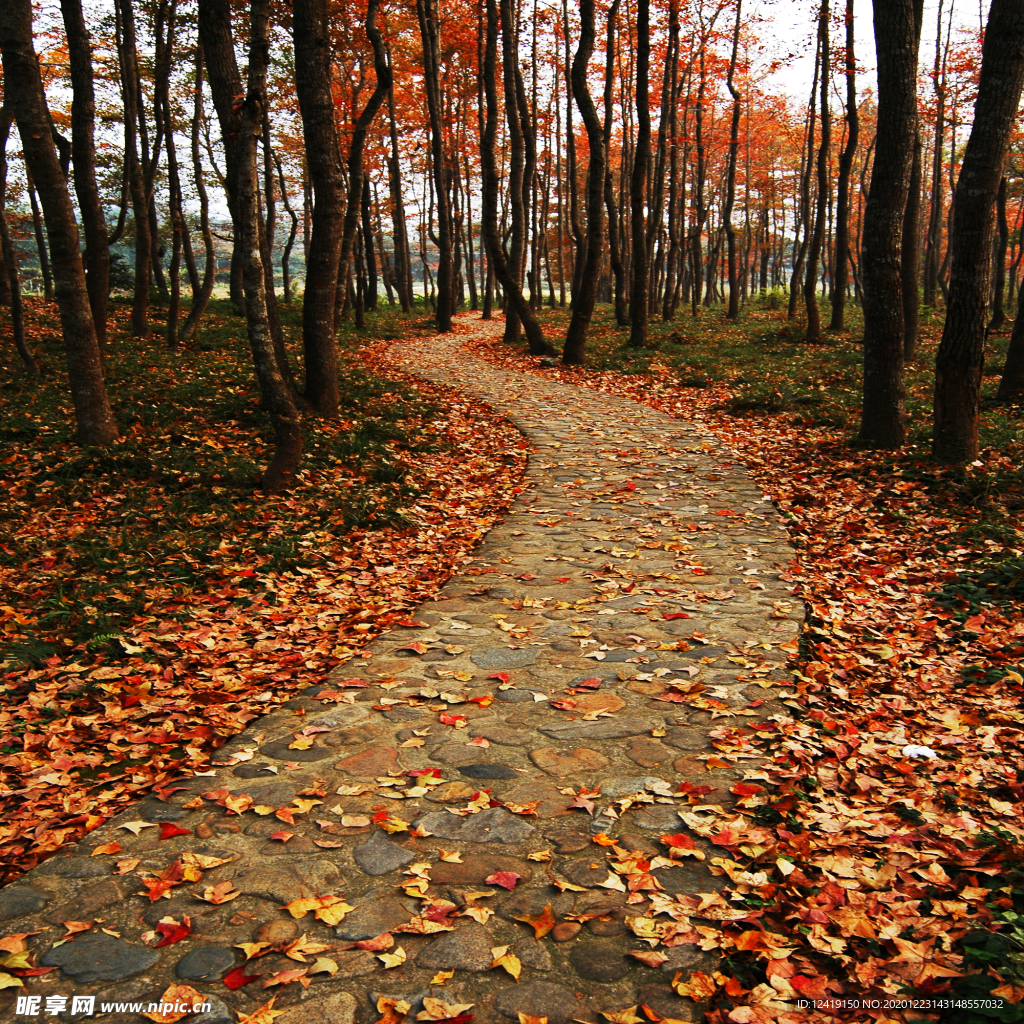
x=114 y=526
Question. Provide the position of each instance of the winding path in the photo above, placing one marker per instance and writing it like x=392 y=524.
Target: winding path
x=639 y=553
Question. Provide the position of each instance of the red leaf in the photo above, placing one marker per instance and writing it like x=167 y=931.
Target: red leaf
x=506 y=879
x=500 y=676
x=237 y=978
x=282 y=835
x=678 y=615
x=168 y=830
x=593 y=683
x=418 y=772
x=173 y=932
x=679 y=841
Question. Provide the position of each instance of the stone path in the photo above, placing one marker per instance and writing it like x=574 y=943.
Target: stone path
x=425 y=793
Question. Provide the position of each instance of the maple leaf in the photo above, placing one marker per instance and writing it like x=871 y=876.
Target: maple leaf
x=442 y=977
x=650 y=957
x=173 y=931
x=173 y=996
x=438 y=1010
x=106 y=848
x=395 y=959
x=626 y=1016
x=583 y=800
x=222 y=892
x=168 y=830
x=299 y=974
x=394 y=1010
x=237 y=977
x=383 y=941
x=506 y=879
x=698 y=987
x=541 y=923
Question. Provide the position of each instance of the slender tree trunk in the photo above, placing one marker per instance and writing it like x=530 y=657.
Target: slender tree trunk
x=961 y=356
x=275 y=392
x=911 y=251
x=311 y=37
x=640 y=264
x=200 y=299
x=884 y=404
x=817 y=241
x=93 y=414
x=730 y=188
x=583 y=303
x=933 y=239
x=841 y=275
x=614 y=242
x=432 y=83
x=575 y=225
x=496 y=259
x=42 y=249
x=128 y=58
x=11 y=256
x=403 y=271
x=999 y=268
x=83 y=155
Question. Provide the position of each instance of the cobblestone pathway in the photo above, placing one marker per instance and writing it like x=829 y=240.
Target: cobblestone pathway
x=514 y=719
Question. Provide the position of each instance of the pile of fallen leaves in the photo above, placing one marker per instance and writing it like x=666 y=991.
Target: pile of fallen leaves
x=218 y=631
x=871 y=856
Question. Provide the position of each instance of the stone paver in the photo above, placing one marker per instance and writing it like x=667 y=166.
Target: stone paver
x=640 y=553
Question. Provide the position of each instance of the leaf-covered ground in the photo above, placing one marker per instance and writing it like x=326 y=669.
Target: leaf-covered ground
x=153 y=601
x=873 y=863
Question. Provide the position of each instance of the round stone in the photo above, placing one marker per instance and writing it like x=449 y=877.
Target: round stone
x=483 y=770
x=477 y=867
x=565 y=931
x=378 y=855
x=19 y=900
x=496 y=659
x=206 y=963
x=571 y=761
x=597 y=962
x=514 y=696
x=468 y=948
x=99 y=957
x=538 y=999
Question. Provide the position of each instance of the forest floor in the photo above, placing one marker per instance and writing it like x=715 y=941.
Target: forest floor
x=874 y=838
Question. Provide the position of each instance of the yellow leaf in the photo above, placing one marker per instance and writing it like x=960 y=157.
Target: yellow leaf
x=175 y=995
x=511 y=963
x=438 y=1009
x=441 y=977
x=627 y=1016
x=324 y=964
x=451 y=856
x=541 y=855
x=355 y=820
x=9 y=981
x=395 y=959
x=301 y=743
x=263 y=1015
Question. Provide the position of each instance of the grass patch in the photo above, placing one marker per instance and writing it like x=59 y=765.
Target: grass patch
x=95 y=536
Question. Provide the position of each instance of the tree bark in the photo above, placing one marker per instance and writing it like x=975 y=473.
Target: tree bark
x=841 y=274
x=730 y=188
x=639 y=294
x=94 y=417
x=999 y=257
x=274 y=390
x=583 y=303
x=817 y=239
x=497 y=261
x=403 y=271
x=10 y=255
x=432 y=83
x=83 y=155
x=884 y=400
x=960 y=359
x=311 y=39
x=1011 y=384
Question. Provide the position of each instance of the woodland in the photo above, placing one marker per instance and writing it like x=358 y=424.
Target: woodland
x=217 y=215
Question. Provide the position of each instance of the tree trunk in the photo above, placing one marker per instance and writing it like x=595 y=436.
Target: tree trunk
x=999 y=268
x=310 y=33
x=274 y=390
x=960 y=359
x=638 y=301
x=817 y=240
x=11 y=256
x=95 y=419
x=884 y=401
x=1011 y=385
x=583 y=303
x=734 y=146
x=403 y=271
x=356 y=174
x=496 y=259
x=128 y=59
x=841 y=274
x=911 y=253
x=83 y=155
x=432 y=84
x=200 y=299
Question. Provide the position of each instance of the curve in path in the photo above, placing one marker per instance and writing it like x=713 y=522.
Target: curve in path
x=476 y=750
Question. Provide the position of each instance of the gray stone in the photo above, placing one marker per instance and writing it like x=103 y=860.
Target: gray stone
x=657 y=816
x=282 y=882
x=532 y=953
x=627 y=785
x=495 y=825
x=99 y=957
x=618 y=657
x=281 y=752
x=597 y=962
x=378 y=856
x=205 y=963
x=336 y=1008
x=468 y=948
x=701 y=652
x=502 y=735
x=376 y=913
x=538 y=999
x=251 y=771
x=20 y=900
x=588 y=871
x=514 y=696
x=484 y=770
x=606 y=729
x=75 y=867
x=456 y=753
x=502 y=658
x=684 y=738
x=218 y=1013
x=475 y=868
